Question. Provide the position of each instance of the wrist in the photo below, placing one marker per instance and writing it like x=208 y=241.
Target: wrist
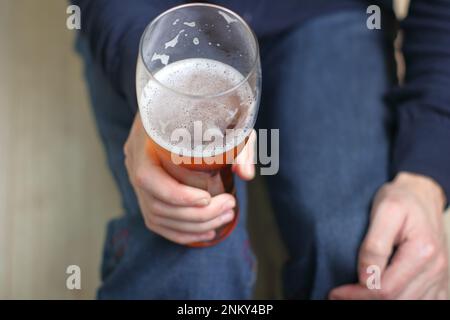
x=423 y=187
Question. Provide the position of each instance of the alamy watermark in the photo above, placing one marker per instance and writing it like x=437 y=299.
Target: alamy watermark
x=373 y=22
x=73 y=21
x=232 y=146
x=73 y=281
x=373 y=282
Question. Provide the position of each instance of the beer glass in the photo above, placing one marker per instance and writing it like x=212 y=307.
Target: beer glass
x=198 y=83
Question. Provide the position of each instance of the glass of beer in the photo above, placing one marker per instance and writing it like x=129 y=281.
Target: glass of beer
x=198 y=83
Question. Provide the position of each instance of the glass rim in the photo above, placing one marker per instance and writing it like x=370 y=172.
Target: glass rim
x=194 y=96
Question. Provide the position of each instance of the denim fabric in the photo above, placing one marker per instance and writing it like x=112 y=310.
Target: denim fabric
x=323 y=86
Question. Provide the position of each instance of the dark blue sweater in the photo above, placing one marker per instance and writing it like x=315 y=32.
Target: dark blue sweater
x=114 y=27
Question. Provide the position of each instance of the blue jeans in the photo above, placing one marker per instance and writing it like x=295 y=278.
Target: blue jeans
x=323 y=88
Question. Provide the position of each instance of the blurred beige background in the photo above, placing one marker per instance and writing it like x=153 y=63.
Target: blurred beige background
x=56 y=193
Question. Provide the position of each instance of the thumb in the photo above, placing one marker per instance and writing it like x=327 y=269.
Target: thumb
x=378 y=245
x=244 y=164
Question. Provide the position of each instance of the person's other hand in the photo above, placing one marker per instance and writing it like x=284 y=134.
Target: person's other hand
x=178 y=212
x=406 y=240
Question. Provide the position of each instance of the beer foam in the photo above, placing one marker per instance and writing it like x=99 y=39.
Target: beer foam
x=178 y=104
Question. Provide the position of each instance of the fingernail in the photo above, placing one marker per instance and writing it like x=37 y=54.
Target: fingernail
x=228 y=205
x=227 y=216
x=202 y=202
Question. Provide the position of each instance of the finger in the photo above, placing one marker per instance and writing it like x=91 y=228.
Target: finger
x=379 y=242
x=181 y=237
x=197 y=179
x=407 y=267
x=244 y=164
x=352 y=292
x=217 y=207
x=172 y=235
x=194 y=227
x=158 y=183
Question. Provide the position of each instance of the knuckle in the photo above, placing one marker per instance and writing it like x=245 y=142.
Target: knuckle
x=140 y=177
x=427 y=249
x=393 y=204
x=375 y=247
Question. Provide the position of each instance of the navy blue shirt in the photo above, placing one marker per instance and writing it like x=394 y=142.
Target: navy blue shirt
x=422 y=145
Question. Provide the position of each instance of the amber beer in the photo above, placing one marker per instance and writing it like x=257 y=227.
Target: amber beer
x=190 y=101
